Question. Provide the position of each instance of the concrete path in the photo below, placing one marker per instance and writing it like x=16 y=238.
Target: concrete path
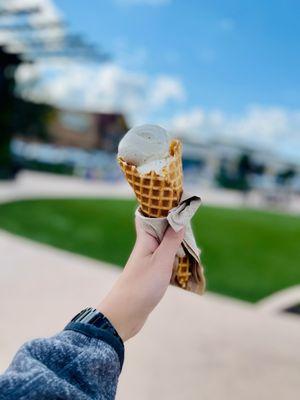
x=280 y=301
x=196 y=348
x=40 y=185
x=43 y=185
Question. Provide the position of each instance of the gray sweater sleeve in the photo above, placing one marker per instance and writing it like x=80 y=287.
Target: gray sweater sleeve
x=81 y=362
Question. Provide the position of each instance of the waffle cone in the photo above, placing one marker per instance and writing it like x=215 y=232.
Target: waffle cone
x=157 y=194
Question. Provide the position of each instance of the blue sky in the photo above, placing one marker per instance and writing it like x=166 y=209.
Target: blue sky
x=228 y=54
x=206 y=68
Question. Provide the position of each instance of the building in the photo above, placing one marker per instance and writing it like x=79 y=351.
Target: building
x=23 y=120
x=87 y=130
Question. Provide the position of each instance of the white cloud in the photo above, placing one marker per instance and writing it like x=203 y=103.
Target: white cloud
x=189 y=122
x=276 y=128
x=47 y=13
x=104 y=88
x=264 y=122
x=166 y=88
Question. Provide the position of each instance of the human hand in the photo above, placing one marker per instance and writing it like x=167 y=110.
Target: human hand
x=143 y=282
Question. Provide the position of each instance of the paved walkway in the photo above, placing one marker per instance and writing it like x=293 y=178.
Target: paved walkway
x=280 y=300
x=40 y=185
x=196 y=348
x=35 y=184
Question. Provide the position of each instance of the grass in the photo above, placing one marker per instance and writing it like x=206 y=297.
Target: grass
x=248 y=254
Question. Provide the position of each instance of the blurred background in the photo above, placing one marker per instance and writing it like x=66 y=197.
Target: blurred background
x=223 y=76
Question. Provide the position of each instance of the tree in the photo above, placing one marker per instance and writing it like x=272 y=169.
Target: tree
x=8 y=63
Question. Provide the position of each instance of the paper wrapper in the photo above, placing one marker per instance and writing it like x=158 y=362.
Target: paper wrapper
x=179 y=217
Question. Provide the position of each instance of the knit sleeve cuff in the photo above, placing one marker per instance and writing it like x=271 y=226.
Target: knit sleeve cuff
x=102 y=334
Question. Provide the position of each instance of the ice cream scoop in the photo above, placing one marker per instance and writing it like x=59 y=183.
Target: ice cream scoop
x=146 y=147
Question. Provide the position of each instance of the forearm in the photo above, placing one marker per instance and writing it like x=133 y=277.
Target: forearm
x=82 y=362
x=85 y=360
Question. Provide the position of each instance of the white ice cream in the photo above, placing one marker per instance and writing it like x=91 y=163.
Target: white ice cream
x=147 y=147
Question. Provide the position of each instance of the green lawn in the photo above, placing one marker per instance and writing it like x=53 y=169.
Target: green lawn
x=248 y=254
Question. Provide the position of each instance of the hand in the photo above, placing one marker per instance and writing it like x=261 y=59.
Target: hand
x=143 y=282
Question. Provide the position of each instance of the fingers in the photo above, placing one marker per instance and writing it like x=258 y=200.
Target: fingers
x=145 y=242
x=139 y=226
x=171 y=241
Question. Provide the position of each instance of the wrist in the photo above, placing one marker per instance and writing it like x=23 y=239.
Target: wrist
x=115 y=320
x=126 y=325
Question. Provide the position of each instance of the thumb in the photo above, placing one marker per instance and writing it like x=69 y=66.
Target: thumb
x=145 y=241
x=170 y=244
